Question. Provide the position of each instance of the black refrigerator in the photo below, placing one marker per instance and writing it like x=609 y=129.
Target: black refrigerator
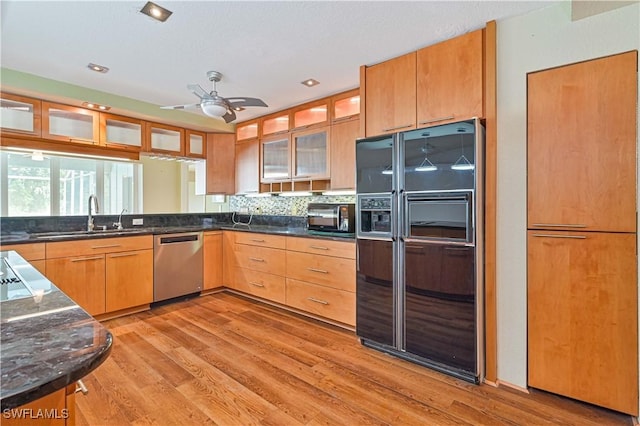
x=419 y=246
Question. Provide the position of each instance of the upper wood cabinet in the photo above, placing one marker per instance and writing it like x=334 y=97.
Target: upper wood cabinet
x=345 y=106
x=195 y=144
x=582 y=145
x=450 y=79
x=247 y=166
x=311 y=114
x=437 y=84
x=164 y=138
x=120 y=132
x=275 y=158
x=20 y=115
x=390 y=101
x=70 y=124
x=247 y=130
x=343 y=154
x=276 y=123
x=220 y=163
x=310 y=153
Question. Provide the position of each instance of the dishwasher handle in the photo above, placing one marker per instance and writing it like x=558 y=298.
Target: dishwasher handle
x=179 y=239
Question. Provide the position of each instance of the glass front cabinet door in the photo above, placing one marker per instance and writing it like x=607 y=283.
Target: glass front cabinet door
x=163 y=138
x=196 y=144
x=275 y=158
x=120 y=132
x=311 y=154
x=71 y=124
x=20 y=115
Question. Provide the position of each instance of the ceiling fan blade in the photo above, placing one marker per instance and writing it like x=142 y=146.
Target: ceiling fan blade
x=229 y=116
x=179 y=106
x=198 y=91
x=245 y=102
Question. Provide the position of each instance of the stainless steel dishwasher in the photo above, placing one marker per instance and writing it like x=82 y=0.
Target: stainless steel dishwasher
x=177 y=265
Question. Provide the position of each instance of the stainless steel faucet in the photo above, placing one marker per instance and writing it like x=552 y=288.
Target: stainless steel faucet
x=90 y=224
x=118 y=224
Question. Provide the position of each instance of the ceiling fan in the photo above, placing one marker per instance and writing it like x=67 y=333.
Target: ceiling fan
x=216 y=106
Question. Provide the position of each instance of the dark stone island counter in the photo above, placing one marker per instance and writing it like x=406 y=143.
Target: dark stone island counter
x=46 y=340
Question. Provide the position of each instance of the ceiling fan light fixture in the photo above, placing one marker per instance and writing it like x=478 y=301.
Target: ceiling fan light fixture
x=156 y=12
x=213 y=108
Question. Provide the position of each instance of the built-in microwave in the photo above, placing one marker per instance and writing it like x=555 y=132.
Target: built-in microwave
x=331 y=217
x=445 y=216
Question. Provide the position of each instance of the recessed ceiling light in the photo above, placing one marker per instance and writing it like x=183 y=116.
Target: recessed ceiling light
x=310 y=82
x=156 y=12
x=97 y=68
x=238 y=108
x=96 y=106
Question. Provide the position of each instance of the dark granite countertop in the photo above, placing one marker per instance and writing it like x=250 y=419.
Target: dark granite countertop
x=42 y=237
x=46 y=341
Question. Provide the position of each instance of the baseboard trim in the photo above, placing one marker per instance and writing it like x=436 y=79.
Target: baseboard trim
x=512 y=386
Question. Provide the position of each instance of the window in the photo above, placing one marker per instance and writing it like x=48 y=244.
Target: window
x=59 y=185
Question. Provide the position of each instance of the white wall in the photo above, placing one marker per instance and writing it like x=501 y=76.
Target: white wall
x=539 y=40
x=161 y=186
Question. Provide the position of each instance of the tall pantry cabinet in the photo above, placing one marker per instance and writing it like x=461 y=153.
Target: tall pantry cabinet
x=582 y=242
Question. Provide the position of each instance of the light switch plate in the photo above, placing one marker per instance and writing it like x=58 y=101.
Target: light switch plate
x=137 y=221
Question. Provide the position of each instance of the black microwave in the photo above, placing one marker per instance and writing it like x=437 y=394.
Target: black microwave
x=331 y=217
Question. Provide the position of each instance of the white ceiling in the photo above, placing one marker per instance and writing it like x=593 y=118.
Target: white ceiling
x=263 y=49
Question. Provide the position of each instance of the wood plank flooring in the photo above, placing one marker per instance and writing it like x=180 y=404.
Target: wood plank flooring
x=222 y=359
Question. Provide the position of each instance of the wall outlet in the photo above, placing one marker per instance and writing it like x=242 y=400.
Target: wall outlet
x=137 y=221
x=244 y=210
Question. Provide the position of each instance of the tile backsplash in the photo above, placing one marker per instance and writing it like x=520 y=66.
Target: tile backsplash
x=277 y=205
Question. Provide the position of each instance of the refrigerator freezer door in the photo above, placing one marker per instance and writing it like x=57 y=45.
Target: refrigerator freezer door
x=440 y=311
x=375 y=289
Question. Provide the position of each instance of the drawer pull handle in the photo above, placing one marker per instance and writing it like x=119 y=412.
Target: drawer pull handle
x=435 y=120
x=388 y=129
x=84 y=259
x=256 y=284
x=559 y=225
x=322 y=302
x=320 y=271
x=257 y=240
x=123 y=254
x=80 y=387
x=106 y=246
x=256 y=259
x=319 y=247
x=575 y=237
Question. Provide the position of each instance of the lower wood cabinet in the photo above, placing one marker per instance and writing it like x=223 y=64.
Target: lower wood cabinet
x=103 y=275
x=129 y=279
x=583 y=316
x=212 y=260
x=312 y=275
x=328 y=302
x=34 y=253
x=82 y=278
x=261 y=284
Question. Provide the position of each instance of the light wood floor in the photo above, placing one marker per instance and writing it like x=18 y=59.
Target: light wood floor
x=222 y=359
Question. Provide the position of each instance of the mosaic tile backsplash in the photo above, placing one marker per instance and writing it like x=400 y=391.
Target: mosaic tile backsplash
x=288 y=206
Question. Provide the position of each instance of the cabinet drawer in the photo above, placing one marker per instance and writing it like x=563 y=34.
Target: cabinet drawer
x=260 y=259
x=263 y=240
x=346 y=249
x=328 y=271
x=261 y=284
x=330 y=303
x=98 y=246
x=28 y=251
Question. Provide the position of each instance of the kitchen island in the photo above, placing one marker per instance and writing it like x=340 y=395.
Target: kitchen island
x=47 y=341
